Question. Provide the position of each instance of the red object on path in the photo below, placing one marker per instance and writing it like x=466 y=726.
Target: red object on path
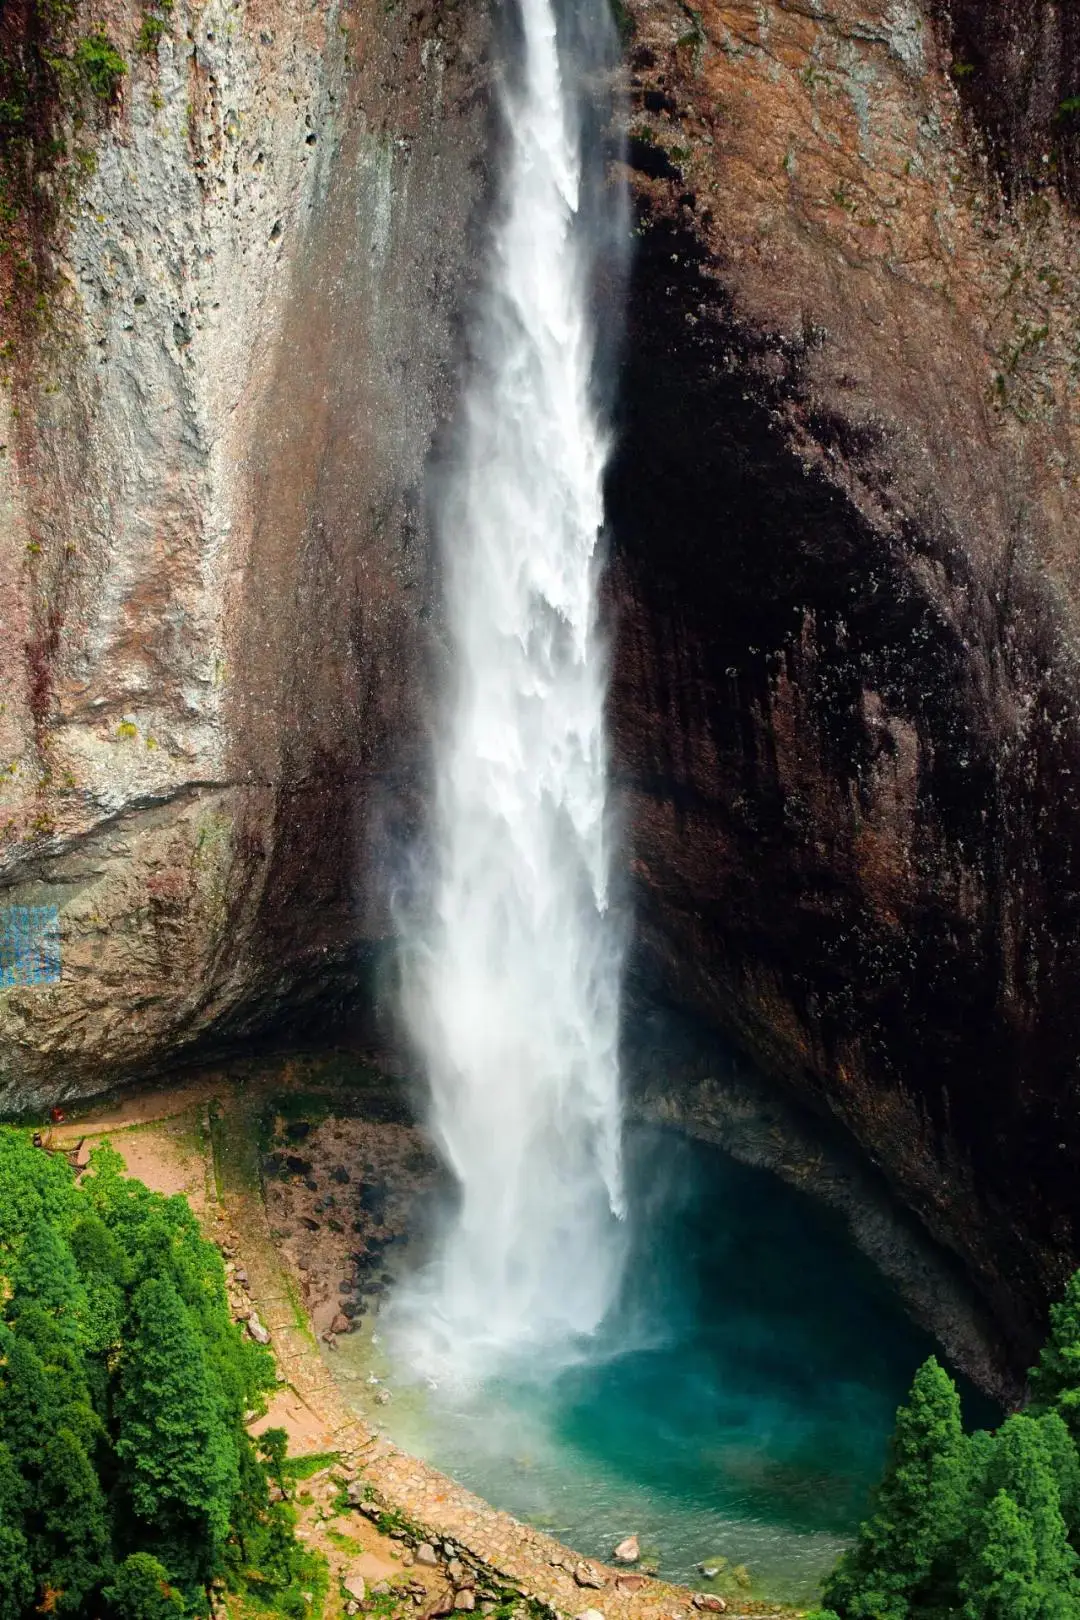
x=56 y=1115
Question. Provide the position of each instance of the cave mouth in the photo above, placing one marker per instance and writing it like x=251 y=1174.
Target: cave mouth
x=733 y=1410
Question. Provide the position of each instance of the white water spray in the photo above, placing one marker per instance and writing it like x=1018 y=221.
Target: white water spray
x=514 y=997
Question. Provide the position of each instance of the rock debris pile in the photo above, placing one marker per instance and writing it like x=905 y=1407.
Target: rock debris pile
x=340 y=1197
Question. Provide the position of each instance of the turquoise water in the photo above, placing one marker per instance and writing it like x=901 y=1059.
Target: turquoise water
x=735 y=1407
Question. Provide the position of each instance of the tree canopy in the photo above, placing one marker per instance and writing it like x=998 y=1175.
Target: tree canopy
x=981 y=1526
x=128 y=1482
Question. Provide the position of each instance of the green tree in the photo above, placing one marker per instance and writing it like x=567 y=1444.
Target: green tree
x=105 y=1272
x=50 y=1376
x=1023 y=1466
x=1002 y=1582
x=16 y=1571
x=1055 y=1381
x=161 y=1239
x=31 y=1184
x=917 y=1511
x=1019 y=1564
x=97 y=1252
x=177 y=1450
x=263 y=1555
x=127 y=1478
x=27 y=1409
x=1065 y=1465
x=45 y=1275
x=17 y=1584
x=71 y=1547
x=141 y=1591
x=273 y=1448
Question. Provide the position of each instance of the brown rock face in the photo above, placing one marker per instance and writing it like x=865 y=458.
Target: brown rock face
x=845 y=590
x=1017 y=66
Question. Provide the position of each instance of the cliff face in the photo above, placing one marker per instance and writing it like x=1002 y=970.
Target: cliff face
x=214 y=547
x=846 y=591
x=1017 y=66
x=843 y=587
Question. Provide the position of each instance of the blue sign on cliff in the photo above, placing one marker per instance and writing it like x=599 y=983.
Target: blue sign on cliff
x=29 y=945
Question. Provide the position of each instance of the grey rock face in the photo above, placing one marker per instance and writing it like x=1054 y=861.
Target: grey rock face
x=213 y=543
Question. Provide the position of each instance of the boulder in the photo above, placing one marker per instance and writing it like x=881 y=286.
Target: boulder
x=709 y=1602
x=628 y=1551
x=426 y=1555
x=587 y=1574
x=356 y=1587
x=465 y=1600
x=256 y=1329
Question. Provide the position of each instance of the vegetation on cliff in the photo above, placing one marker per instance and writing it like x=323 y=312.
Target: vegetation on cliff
x=984 y=1526
x=129 y=1486
x=56 y=79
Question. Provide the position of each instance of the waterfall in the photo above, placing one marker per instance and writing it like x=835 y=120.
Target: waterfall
x=513 y=996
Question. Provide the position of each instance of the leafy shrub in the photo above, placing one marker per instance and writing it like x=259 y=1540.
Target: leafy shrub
x=154 y=23
x=99 y=65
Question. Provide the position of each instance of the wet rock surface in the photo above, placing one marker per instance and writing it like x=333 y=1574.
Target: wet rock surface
x=342 y=1230
x=845 y=587
x=1017 y=68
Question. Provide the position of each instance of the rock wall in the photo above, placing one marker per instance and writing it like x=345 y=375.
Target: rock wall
x=1017 y=67
x=846 y=592
x=213 y=550
x=844 y=587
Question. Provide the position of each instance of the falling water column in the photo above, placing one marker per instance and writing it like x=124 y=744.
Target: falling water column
x=513 y=997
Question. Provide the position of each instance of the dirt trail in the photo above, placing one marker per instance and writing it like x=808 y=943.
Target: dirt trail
x=202 y=1138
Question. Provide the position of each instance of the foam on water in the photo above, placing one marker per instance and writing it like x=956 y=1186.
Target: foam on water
x=734 y=1407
